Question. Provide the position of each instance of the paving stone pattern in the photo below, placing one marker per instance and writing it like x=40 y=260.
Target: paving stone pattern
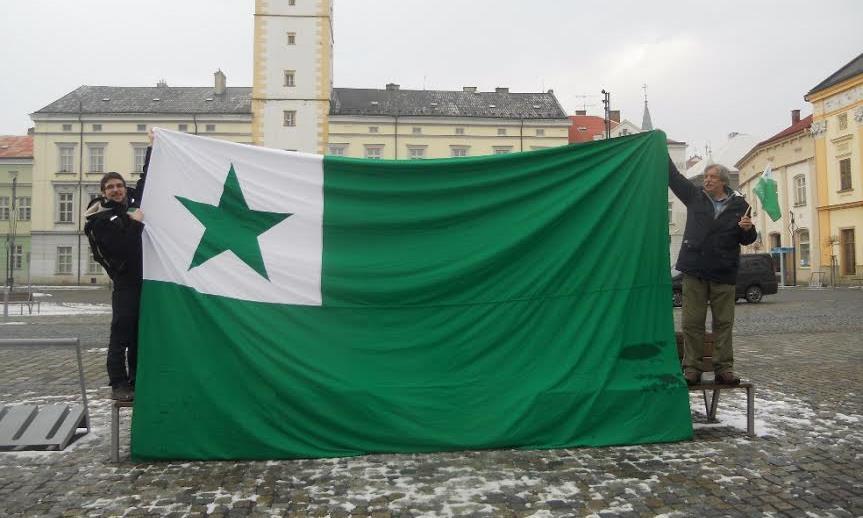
x=802 y=348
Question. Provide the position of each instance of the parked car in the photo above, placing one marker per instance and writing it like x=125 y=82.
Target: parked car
x=755 y=278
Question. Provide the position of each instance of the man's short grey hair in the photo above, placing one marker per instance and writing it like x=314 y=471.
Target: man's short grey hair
x=724 y=174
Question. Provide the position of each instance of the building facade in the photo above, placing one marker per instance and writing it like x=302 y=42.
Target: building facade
x=794 y=239
x=837 y=129
x=16 y=207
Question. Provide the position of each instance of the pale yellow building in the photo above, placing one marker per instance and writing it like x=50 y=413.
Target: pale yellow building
x=791 y=156
x=837 y=128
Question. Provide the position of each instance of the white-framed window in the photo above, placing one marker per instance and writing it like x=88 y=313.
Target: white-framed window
x=624 y=132
x=67 y=127
x=458 y=151
x=416 y=130
x=64 y=207
x=96 y=158
x=373 y=129
x=292 y=2
x=845 y=174
x=501 y=132
x=803 y=247
x=66 y=163
x=64 y=259
x=93 y=267
x=183 y=127
x=502 y=150
x=289 y=118
x=374 y=152
x=24 y=209
x=459 y=131
x=289 y=78
x=210 y=128
x=142 y=127
x=292 y=38
x=540 y=132
x=18 y=257
x=337 y=149
x=4 y=208
x=97 y=127
x=799 y=190
x=416 y=152
x=139 y=154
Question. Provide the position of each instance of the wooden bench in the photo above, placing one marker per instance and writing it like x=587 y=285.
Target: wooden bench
x=21 y=298
x=712 y=404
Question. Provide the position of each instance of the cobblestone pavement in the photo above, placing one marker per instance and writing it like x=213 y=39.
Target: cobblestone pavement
x=802 y=348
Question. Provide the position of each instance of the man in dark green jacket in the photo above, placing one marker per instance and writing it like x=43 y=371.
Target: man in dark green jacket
x=717 y=223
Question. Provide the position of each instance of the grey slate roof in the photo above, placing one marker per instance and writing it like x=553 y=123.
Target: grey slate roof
x=443 y=103
x=853 y=68
x=345 y=101
x=135 y=99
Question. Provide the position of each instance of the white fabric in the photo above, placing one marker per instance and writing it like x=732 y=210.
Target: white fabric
x=271 y=180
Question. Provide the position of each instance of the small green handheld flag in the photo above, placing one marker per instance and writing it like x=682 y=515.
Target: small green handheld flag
x=765 y=189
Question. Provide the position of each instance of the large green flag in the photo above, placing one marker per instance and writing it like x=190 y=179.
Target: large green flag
x=766 y=191
x=300 y=306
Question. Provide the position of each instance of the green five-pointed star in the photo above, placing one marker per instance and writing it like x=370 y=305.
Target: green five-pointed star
x=232 y=225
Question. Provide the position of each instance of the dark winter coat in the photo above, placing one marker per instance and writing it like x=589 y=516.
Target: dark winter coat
x=711 y=246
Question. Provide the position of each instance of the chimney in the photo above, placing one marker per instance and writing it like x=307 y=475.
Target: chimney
x=551 y=91
x=392 y=87
x=161 y=83
x=581 y=112
x=501 y=90
x=614 y=115
x=795 y=116
x=219 y=88
x=31 y=131
x=470 y=89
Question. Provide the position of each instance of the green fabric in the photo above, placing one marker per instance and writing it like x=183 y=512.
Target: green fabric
x=766 y=191
x=508 y=301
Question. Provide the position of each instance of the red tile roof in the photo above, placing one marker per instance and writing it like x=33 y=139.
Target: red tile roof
x=12 y=146
x=797 y=127
x=591 y=124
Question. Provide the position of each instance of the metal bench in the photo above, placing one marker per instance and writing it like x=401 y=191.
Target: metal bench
x=21 y=299
x=115 y=427
x=711 y=404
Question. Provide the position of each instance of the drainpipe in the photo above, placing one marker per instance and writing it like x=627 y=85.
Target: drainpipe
x=521 y=136
x=396 y=134
x=80 y=214
x=195 y=122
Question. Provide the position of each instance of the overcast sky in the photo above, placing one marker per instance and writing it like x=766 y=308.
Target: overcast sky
x=711 y=67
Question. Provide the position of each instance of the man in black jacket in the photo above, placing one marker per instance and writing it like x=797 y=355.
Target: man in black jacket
x=717 y=223
x=114 y=226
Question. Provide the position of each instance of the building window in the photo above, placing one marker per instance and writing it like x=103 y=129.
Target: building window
x=799 y=190
x=142 y=127
x=292 y=2
x=416 y=130
x=4 y=208
x=842 y=118
x=18 y=257
x=183 y=127
x=374 y=152
x=846 y=247
x=97 y=158
x=337 y=149
x=501 y=132
x=845 y=174
x=459 y=131
x=290 y=118
x=67 y=127
x=292 y=38
x=373 y=129
x=502 y=150
x=624 y=132
x=289 y=78
x=64 y=259
x=139 y=154
x=64 y=207
x=458 y=151
x=24 y=208
x=67 y=158
x=540 y=132
x=97 y=127
x=416 y=152
x=93 y=267
x=210 y=128
x=803 y=247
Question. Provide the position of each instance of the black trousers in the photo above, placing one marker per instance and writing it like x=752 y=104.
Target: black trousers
x=123 y=346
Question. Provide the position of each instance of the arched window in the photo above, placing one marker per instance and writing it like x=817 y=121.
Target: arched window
x=803 y=248
x=799 y=190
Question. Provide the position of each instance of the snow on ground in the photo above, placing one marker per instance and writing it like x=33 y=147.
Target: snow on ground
x=59 y=308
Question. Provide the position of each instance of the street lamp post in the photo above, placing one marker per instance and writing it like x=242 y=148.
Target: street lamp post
x=10 y=280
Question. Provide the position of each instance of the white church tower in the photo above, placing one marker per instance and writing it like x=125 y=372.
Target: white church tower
x=293 y=71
